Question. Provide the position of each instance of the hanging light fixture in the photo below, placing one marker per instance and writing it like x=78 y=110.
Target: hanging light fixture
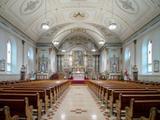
x=93 y=50
x=45 y=25
x=63 y=50
x=112 y=25
x=56 y=43
x=101 y=42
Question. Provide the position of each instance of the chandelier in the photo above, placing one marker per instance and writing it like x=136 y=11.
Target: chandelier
x=45 y=25
x=112 y=25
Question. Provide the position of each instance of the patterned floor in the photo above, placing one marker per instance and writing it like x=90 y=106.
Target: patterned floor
x=77 y=104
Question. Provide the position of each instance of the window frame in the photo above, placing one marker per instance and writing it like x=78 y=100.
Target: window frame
x=149 y=57
x=9 y=56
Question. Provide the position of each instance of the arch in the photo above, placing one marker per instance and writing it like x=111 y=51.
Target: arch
x=89 y=30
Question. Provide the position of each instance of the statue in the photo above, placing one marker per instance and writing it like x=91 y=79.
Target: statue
x=126 y=75
x=23 y=72
x=135 y=72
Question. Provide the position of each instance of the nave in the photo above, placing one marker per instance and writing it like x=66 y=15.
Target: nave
x=77 y=104
x=94 y=100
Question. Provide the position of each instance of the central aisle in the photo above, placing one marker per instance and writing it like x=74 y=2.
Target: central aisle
x=78 y=104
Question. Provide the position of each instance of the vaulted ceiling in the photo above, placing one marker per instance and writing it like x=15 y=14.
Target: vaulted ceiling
x=68 y=17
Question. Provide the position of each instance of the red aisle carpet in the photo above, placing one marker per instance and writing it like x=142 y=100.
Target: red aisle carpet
x=78 y=81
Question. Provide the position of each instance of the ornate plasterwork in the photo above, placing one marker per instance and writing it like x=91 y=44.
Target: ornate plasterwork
x=78 y=30
x=156 y=2
x=79 y=15
x=130 y=15
x=81 y=41
x=129 y=6
x=30 y=6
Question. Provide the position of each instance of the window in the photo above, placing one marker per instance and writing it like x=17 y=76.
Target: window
x=149 y=56
x=127 y=58
x=9 y=56
x=30 y=60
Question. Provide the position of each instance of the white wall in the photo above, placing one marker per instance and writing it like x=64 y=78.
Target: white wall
x=53 y=59
x=51 y=56
x=105 y=57
x=152 y=34
x=6 y=35
x=103 y=61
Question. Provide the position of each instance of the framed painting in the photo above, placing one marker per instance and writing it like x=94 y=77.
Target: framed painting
x=156 y=65
x=2 y=65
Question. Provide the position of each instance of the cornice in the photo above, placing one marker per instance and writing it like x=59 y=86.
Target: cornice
x=142 y=30
x=49 y=45
x=16 y=31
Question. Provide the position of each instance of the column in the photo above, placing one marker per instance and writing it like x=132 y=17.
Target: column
x=135 y=50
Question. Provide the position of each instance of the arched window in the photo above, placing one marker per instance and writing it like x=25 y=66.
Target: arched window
x=30 y=60
x=149 y=56
x=9 y=56
x=127 y=58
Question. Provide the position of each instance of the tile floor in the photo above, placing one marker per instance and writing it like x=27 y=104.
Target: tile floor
x=77 y=104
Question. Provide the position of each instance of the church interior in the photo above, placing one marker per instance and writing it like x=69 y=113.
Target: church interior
x=79 y=59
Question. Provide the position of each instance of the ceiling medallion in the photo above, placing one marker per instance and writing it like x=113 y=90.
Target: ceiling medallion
x=129 y=6
x=30 y=6
x=79 y=15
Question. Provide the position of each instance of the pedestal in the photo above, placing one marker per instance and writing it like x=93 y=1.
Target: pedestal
x=135 y=76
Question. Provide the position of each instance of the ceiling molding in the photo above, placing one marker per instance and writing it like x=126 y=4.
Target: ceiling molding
x=44 y=45
x=143 y=29
x=111 y=45
x=15 y=30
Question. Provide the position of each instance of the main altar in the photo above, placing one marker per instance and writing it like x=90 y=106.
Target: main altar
x=78 y=73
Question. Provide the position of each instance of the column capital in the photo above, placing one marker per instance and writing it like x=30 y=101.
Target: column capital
x=23 y=42
x=135 y=41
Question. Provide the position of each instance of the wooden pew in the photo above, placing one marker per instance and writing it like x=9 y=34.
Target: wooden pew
x=52 y=89
x=124 y=100
x=115 y=95
x=49 y=91
x=6 y=115
x=153 y=115
x=34 y=100
x=140 y=108
x=42 y=94
x=18 y=107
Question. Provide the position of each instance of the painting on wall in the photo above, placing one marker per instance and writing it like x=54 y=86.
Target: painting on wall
x=43 y=62
x=114 y=64
x=2 y=65
x=90 y=61
x=156 y=65
x=66 y=61
x=78 y=58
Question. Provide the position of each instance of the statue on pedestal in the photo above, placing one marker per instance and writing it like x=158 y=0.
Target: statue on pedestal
x=23 y=72
x=126 y=75
x=135 y=72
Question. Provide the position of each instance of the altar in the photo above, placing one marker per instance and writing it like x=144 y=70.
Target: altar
x=78 y=75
